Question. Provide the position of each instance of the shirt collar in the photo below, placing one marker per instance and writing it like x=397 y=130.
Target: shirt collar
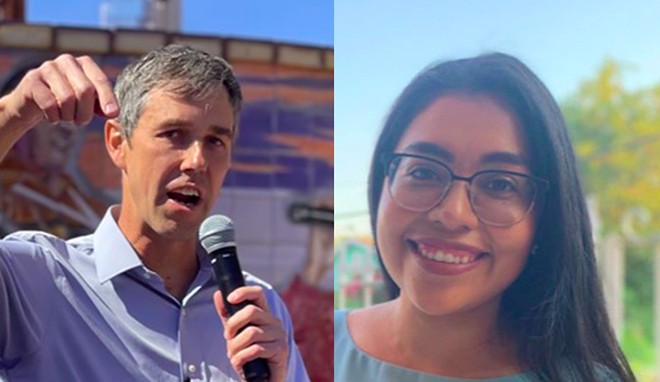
x=113 y=253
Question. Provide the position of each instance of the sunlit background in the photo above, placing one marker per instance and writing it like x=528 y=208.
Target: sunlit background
x=601 y=61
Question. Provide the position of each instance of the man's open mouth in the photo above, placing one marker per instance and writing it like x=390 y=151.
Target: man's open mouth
x=189 y=197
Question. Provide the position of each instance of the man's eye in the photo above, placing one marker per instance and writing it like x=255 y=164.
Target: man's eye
x=217 y=141
x=171 y=134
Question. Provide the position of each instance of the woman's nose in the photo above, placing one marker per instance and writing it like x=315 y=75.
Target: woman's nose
x=455 y=212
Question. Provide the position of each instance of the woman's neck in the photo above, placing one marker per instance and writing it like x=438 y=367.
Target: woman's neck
x=463 y=345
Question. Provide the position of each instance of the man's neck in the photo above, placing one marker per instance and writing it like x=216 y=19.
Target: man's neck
x=175 y=262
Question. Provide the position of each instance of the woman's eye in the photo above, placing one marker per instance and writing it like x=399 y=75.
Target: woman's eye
x=422 y=173
x=501 y=185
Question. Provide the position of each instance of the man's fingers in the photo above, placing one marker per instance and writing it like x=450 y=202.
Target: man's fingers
x=220 y=306
x=252 y=293
x=83 y=89
x=102 y=86
x=255 y=334
x=249 y=315
x=45 y=101
x=61 y=89
x=246 y=355
x=275 y=352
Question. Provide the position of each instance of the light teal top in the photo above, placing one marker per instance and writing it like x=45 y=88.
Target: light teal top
x=352 y=364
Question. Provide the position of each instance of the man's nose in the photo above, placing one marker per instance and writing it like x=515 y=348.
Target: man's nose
x=194 y=159
x=455 y=212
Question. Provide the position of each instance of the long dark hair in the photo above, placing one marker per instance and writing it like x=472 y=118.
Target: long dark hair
x=555 y=309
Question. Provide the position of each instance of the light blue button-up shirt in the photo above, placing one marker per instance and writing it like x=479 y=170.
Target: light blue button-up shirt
x=88 y=310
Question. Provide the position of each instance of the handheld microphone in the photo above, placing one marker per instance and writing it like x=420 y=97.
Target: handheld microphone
x=217 y=237
x=303 y=213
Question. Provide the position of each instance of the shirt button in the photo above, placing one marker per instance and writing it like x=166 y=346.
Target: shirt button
x=192 y=368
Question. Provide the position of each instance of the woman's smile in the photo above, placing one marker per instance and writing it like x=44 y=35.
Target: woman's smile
x=444 y=258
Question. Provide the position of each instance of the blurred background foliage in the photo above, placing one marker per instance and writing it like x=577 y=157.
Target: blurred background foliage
x=616 y=135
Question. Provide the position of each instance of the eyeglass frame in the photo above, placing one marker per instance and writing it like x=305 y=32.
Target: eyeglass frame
x=541 y=185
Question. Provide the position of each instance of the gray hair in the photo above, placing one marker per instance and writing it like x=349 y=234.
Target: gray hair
x=189 y=73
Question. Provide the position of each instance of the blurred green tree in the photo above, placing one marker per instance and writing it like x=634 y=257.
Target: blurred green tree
x=616 y=134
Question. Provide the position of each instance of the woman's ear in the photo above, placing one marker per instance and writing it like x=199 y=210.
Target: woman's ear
x=116 y=143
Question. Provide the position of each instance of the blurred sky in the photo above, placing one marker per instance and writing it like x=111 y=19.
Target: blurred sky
x=300 y=21
x=381 y=45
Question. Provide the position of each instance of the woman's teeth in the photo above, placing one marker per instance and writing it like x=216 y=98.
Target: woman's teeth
x=446 y=257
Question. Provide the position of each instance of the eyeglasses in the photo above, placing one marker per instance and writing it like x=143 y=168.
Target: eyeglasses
x=498 y=198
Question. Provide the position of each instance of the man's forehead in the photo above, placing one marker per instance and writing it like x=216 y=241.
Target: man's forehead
x=213 y=102
x=163 y=105
x=178 y=91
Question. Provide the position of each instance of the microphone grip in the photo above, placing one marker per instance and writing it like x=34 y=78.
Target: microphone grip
x=230 y=277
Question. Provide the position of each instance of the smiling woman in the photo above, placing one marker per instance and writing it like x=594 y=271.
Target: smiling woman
x=483 y=233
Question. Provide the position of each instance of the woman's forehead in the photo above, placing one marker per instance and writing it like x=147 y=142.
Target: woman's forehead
x=460 y=127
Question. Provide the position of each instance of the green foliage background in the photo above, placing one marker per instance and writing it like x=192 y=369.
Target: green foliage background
x=616 y=135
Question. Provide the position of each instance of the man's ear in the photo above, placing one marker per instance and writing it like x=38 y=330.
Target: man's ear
x=115 y=143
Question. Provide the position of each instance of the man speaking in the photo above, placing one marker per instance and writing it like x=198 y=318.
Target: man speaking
x=137 y=300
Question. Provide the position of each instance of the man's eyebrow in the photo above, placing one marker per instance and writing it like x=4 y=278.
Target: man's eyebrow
x=430 y=149
x=504 y=157
x=174 y=123
x=220 y=130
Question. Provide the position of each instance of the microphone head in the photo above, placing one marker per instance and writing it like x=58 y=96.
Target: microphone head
x=216 y=232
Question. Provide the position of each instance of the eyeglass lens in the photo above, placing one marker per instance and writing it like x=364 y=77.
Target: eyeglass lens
x=497 y=197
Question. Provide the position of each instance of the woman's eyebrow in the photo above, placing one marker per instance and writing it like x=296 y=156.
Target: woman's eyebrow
x=504 y=157
x=430 y=149
x=434 y=150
